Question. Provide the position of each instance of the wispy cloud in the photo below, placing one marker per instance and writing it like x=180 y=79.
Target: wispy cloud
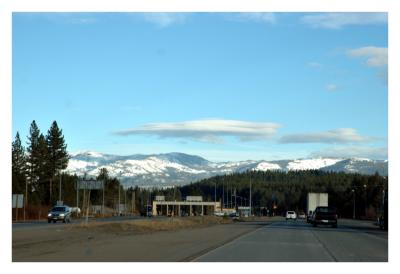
x=341 y=135
x=331 y=87
x=339 y=20
x=211 y=131
x=258 y=17
x=376 y=57
x=165 y=19
x=380 y=153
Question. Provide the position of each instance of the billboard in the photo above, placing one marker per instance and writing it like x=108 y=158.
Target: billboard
x=90 y=184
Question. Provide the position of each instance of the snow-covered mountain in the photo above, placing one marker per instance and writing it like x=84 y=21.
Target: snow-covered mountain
x=178 y=168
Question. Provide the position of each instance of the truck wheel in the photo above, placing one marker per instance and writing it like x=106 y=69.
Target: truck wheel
x=48 y=221
x=314 y=224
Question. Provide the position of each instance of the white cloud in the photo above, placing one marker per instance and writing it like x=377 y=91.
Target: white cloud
x=339 y=20
x=375 y=56
x=211 y=130
x=165 y=19
x=258 y=17
x=331 y=87
x=380 y=153
x=341 y=135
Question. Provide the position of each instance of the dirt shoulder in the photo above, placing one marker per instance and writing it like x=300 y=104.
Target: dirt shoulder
x=154 y=240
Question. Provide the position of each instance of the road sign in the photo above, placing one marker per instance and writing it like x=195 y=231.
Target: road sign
x=90 y=184
x=17 y=200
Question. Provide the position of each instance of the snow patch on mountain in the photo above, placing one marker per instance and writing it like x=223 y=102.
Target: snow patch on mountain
x=264 y=166
x=309 y=164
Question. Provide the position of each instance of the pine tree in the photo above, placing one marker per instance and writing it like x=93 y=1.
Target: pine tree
x=18 y=166
x=43 y=169
x=58 y=155
x=32 y=149
x=57 y=152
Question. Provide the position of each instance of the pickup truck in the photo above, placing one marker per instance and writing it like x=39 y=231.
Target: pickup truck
x=324 y=215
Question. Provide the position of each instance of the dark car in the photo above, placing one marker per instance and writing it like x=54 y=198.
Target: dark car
x=59 y=213
x=324 y=215
x=146 y=211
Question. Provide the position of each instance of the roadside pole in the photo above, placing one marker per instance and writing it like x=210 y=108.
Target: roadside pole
x=102 y=208
x=59 y=192
x=250 y=195
x=26 y=197
x=77 y=195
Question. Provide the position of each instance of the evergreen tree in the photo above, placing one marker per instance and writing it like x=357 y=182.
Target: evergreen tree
x=58 y=155
x=43 y=170
x=18 y=166
x=32 y=149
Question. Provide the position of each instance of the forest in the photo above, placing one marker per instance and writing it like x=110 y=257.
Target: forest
x=38 y=173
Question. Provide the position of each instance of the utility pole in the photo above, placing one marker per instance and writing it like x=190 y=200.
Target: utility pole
x=223 y=194
x=119 y=193
x=250 y=195
x=354 y=203
x=26 y=197
x=59 y=194
x=103 y=199
x=215 y=192
x=134 y=201
x=125 y=202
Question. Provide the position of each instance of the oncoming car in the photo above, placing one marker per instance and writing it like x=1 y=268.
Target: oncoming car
x=59 y=213
x=291 y=215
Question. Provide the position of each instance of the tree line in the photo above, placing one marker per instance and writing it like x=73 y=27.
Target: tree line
x=281 y=191
x=36 y=168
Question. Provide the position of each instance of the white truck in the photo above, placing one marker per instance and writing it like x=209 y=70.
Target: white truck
x=314 y=200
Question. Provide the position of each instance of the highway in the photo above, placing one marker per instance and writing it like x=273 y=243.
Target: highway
x=297 y=241
x=258 y=240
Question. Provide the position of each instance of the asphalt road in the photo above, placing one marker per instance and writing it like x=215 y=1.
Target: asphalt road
x=297 y=241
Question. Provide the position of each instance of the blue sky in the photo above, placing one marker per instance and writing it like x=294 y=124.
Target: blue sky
x=225 y=86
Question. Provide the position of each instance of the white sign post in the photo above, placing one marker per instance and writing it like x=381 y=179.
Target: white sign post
x=17 y=202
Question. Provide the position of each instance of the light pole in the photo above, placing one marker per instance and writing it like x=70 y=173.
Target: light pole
x=119 y=193
x=366 y=202
x=354 y=203
x=59 y=192
x=250 y=195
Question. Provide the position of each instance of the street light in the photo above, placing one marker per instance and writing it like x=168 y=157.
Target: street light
x=366 y=202
x=354 y=203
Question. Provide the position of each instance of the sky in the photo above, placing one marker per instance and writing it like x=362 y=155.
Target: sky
x=224 y=86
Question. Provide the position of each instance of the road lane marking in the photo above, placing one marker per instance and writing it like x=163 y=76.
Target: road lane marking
x=227 y=243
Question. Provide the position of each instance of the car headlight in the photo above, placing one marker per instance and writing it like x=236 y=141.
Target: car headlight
x=49 y=215
x=62 y=215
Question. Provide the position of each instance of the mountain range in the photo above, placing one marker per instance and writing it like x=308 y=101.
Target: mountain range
x=165 y=170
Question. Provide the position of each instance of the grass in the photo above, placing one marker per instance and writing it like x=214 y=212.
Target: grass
x=152 y=224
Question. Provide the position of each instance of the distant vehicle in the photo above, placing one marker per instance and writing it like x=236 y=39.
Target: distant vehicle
x=302 y=215
x=76 y=211
x=316 y=199
x=324 y=215
x=219 y=213
x=59 y=213
x=146 y=211
x=291 y=215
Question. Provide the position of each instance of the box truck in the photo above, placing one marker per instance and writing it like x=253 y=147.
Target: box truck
x=314 y=200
